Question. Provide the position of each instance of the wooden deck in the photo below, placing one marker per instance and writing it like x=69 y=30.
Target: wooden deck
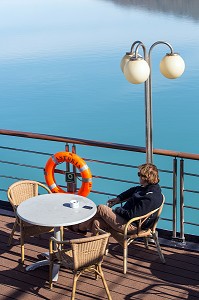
x=147 y=277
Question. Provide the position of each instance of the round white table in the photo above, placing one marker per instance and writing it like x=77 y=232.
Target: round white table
x=54 y=210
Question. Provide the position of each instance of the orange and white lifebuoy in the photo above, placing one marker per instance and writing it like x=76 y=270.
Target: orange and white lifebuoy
x=78 y=162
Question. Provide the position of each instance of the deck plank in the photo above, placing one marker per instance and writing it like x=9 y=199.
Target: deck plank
x=147 y=278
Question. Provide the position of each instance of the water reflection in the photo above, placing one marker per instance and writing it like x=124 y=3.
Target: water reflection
x=180 y=8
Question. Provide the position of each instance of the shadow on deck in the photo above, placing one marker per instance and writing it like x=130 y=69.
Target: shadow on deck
x=147 y=278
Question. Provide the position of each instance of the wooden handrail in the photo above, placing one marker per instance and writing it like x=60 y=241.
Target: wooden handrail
x=111 y=145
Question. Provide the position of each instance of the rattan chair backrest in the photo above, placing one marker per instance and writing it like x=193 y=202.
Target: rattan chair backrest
x=88 y=251
x=22 y=190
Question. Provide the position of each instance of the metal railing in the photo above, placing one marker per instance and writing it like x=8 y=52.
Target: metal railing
x=114 y=168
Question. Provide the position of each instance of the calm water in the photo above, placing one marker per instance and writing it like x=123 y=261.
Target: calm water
x=61 y=63
x=60 y=70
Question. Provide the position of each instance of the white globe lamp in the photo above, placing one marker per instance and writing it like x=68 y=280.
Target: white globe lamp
x=136 y=70
x=125 y=59
x=172 y=66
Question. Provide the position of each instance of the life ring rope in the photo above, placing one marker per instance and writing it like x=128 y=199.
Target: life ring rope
x=78 y=162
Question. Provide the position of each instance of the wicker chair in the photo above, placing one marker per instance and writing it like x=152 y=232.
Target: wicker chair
x=125 y=238
x=17 y=193
x=80 y=255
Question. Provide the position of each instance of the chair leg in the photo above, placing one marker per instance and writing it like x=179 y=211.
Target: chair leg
x=50 y=264
x=97 y=272
x=62 y=233
x=22 y=241
x=104 y=282
x=12 y=233
x=158 y=247
x=74 y=286
x=107 y=249
x=22 y=251
x=146 y=242
x=125 y=256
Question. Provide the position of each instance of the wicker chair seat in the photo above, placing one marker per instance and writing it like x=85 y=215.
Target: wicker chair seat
x=33 y=230
x=119 y=236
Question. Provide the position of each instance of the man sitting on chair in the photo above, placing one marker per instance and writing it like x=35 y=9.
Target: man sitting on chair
x=140 y=200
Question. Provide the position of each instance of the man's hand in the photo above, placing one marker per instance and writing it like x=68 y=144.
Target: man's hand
x=113 y=201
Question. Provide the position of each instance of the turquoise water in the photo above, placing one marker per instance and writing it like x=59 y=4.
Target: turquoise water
x=60 y=70
x=60 y=74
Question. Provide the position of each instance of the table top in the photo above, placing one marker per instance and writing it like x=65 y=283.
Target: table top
x=54 y=210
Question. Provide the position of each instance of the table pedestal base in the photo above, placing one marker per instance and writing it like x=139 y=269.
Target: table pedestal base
x=45 y=262
x=38 y=264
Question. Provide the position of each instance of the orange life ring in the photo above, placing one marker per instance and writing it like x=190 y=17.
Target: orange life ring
x=78 y=162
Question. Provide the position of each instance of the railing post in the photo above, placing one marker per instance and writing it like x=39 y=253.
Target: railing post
x=182 y=237
x=174 y=197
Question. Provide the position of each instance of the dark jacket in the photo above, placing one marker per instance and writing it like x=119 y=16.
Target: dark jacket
x=140 y=201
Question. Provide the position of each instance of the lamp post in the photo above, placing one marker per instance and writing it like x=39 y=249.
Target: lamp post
x=138 y=70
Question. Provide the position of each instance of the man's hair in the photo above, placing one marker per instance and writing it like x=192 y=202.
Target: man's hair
x=149 y=173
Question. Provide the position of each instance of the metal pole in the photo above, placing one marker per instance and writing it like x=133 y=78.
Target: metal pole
x=148 y=121
x=182 y=237
x=174 y=197
x=148 y=103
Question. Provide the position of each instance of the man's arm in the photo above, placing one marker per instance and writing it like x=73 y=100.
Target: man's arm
x=127 y=194
x=121 y=197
